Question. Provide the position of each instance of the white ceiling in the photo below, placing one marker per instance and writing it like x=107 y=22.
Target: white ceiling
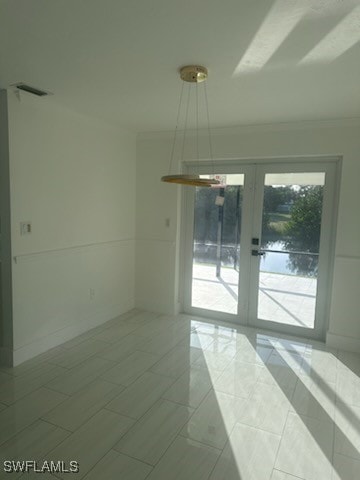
x=268 y=60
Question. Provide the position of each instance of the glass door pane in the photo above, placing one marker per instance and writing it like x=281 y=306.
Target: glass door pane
x=289 y=250
x=216 y=245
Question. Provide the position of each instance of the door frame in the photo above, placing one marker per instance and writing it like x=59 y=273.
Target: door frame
x=188 y=220
x=326 y=234
x=247 y=303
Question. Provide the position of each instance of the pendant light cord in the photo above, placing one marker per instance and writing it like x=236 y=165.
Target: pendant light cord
x=209 y=132
x=186 y=121
x=197 y=126
x=176 y=128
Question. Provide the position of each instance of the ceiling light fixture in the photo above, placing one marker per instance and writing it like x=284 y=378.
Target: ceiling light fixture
x=192 y=74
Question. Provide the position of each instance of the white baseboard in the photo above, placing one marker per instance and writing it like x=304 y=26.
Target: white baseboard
x=154 y=306
x=341 y=342
x=41 y=345
x=178 y=308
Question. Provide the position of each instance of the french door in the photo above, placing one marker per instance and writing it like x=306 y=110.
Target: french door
x=259 y=247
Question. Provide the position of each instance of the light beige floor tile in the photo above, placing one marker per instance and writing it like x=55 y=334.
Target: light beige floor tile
x=198 y=340
x=174 y=363
x=190 y=388
x=4 y=377
x=32 y=443
x=117 y=466
x=118 y=320
x=347 y=431
x=214 y=419
x=150 y=437
x=250 y=351
x=249 y=455
x=278 y=375
x=287 y=358
x=23 y=368
x=223 y=345
x=267 y=408
x=131 y=368
x=153 y=328
x=349 y=361
x=277 y=475
x=320 y=363
x=136 y=399
x=125 y=317
x=91 y=441
x=218 y=329
x=78 y=377
x=348 y=387
x=113 y=333
x=162 y=343
x=122 y=349
x=184 y=362
x=81 y=406
x=36 y=476
x=25 y=411
x=73 y=356
x=49 y=354
x=345 y=468
x=291 y=344
x=140 y=318
x=185 y=460
x=314 y=399
x=74 y=342
x=306 y=448
x=213 y=362
x=281 y=370
x=18 y=387
x=238 y=379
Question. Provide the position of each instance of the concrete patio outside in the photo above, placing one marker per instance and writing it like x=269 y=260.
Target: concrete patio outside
x=288 y=299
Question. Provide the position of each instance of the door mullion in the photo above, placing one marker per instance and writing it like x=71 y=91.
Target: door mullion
x=258 y=196
x=245 y=245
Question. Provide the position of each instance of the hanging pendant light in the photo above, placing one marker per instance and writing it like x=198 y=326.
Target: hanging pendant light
x=191 y=74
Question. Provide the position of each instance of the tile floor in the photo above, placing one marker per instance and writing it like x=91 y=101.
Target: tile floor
x=288 y=299
x=163 y=398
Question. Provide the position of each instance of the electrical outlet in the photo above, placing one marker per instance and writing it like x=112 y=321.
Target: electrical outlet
x=92 y=293
x=25 y=228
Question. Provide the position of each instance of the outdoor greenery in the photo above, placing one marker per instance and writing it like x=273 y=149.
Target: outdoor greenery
x=301 y=226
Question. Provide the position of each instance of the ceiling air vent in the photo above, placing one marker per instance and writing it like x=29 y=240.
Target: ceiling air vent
x=32 y=90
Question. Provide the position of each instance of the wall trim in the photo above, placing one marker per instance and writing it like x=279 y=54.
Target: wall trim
x=263 y=127
x=54 y=339
x=347 y=257
x=24 y=257
x=342 y=342
x=156 y=240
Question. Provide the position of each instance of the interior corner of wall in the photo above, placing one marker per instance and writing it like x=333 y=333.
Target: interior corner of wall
x=6 y=357
x=342 y=342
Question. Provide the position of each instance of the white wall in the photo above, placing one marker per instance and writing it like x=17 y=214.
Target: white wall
x=73 y=178
x=6 y=330
x=157 y=250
